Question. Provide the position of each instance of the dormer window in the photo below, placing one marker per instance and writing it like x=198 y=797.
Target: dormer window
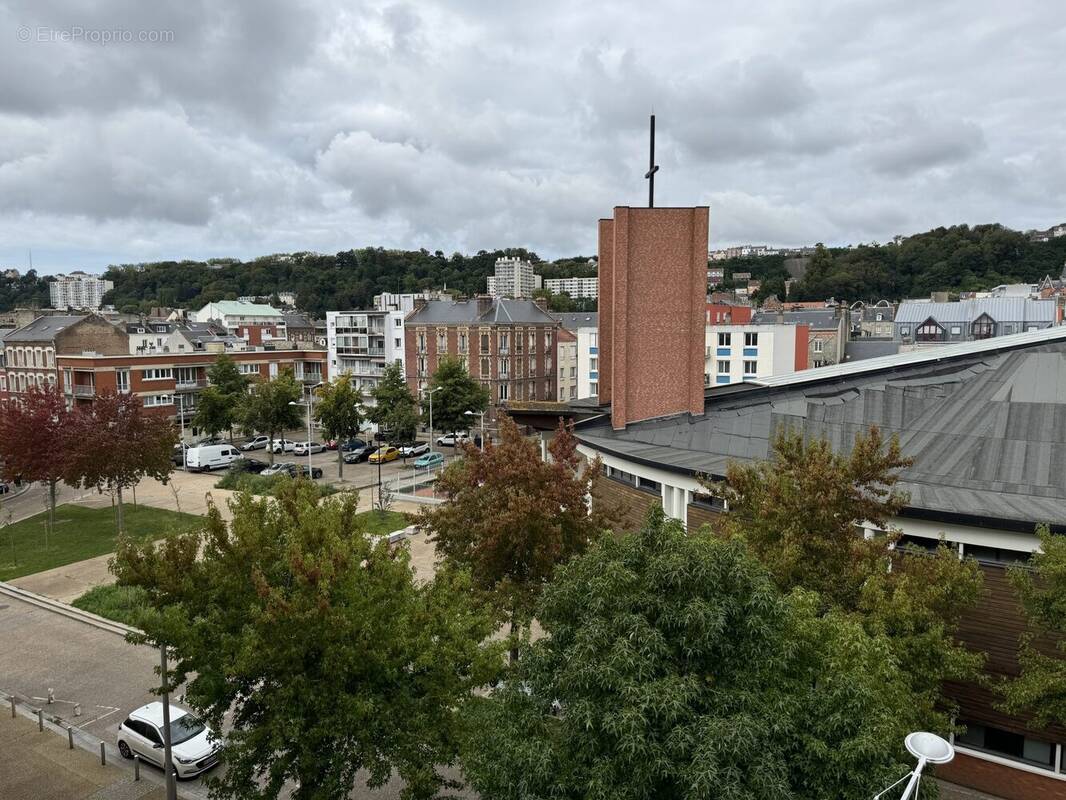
x=929 y=331
x=984 y=327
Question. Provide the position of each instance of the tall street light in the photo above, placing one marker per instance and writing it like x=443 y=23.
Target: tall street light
x=310 y=407
x=482 y=415
x=430 y=393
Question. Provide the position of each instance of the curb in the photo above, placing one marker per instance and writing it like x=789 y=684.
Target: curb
x=68 y=611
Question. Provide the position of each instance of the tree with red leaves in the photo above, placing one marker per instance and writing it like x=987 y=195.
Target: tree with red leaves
x=117 y=445
x=35 y=441
x=511 y=518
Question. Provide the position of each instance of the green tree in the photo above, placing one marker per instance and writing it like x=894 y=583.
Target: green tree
x=1041 y=688
x=800 y=513
x=394 y=408
x=218 y=406
x=340 y=413
x=316 y=644
x=459 y=393
x=673 y=667
x=510 y=518
x=268 y=408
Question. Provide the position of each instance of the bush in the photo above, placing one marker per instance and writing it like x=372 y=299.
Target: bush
x=242 y=481
x=121 y=603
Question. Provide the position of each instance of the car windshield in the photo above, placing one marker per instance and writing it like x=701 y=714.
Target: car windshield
x=184 y=728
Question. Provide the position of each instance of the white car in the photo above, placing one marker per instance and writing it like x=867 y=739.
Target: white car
x=194 y=748
x=451 y=439
x=302 y=448
x=284 y=446
x=412 y=449
x=256 y=443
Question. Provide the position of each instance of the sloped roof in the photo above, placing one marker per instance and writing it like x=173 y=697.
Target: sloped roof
x=572 y=320
x=43 y=329
x=818 y=319
x=237 y=308
x=502 y=311
x=985 y=423
x=1000 y=309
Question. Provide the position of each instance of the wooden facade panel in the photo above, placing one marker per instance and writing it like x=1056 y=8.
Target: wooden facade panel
x=628 y=504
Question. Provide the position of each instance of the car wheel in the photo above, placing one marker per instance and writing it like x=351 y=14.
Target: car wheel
x=124 y=749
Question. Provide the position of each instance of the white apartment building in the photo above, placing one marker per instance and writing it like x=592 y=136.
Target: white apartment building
x=388 y=301
x=737 y=353
x=514 y=278
x=78 y=290
x=585 y=326
x=361 y=343
x=585 y=288
x=567 y=360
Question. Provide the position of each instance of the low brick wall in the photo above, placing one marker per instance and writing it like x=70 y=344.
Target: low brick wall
x=1000 y=780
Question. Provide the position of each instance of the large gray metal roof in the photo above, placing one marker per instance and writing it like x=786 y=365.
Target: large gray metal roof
x=1000 y=309
x=817 y=318
x=42 y=329
x=986 y=426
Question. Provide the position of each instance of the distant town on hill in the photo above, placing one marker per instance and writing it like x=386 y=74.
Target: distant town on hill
x=959 y=258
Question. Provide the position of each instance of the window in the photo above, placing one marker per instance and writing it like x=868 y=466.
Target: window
x=983 y=327
x=421 y=342
x=594 y=388
x=421 y=365
x=504 y=391
x=751 y=367
x=649 y=485
x=464 y=342
x=504 y=342
x=397 y=322
x=504 y=368
x=709 y=501
x=547 y=363
x=751 y=340
x=594 y=339
x=547 y=340
x=723 y=367
x=249 y=369
x=819 y=345
x=532 y=391
x=904 y=332
x=880 y=317
x=485 y=368
x=518 y=342
x=1015 y=746
x=442 y=341
x=929 y=331
x=122 y=380
x=158 y=400
x=956 y=330
x=484 y=343
x=994 y=555
x=725 y=339
x=573 y=392
x=573 y=372
x=157 y=374
x=532 y=341
x=594 y=365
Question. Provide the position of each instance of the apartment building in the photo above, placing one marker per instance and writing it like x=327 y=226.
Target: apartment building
x=724 y=313
x=715 y=276
x=828 y=330
x=874 y=321
x=514 y=279
x=738 y=353
x=78 y=290
x=362 y=343
x=583 y=288
x=567 y=361
x=585 y=327
x=254 y=322
x=923 y=323
x=31 y=351
x=510 y=346
x=405 y=302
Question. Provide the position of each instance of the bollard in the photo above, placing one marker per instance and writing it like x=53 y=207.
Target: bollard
x=70 y=736
x=12 y=708
x=77 y=709
x=103 y=758
x=51 y=696
x=40 y=720
x=136 y=767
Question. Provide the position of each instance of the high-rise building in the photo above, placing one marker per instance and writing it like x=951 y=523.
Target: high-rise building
x=78 y=290
x=585 y=288
x=362 y=343
x=514 y=278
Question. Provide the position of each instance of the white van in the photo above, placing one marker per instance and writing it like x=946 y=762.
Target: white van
x=211 y=456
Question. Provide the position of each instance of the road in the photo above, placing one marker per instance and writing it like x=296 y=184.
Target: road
x=35 y=500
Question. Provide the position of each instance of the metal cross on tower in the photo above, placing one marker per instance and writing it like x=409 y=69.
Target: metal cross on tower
x=652 y=167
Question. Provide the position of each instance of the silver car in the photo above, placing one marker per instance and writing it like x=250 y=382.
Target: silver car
x=194 y=748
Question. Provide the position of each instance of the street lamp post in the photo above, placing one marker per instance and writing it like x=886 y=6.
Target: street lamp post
x=310 y=408
x=181 y=419
x=482 y=415
x=430 y=393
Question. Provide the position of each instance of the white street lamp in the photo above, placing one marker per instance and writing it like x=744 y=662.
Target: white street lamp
x=430 y=393
x=482 y=415
x=928 y=748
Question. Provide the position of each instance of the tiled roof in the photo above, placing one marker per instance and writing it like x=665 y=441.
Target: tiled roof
x=523 y=312
x=818 y=319
x=43 y=329
x=572 y=320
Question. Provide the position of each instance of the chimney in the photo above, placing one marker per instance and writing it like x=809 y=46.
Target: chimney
x=484 y=303
x=420 y=303
x=541 y=303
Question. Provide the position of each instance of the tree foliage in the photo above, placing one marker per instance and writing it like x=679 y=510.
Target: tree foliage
x=218 y=406
x=511 y=518
x=266 y=408
x=394 y=408
x=799 y=513
x=459 y=393
x=1041 y=688
x=118 y=444
x=673 y=667
x=339 y=410
x=314 y=640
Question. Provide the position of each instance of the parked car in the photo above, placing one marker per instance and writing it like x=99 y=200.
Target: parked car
x=412 y=449
x=302 y=448
x=4 y=487
x=178 y=456
x=300 y=470
x=245 y=464
x=256 y=443
x=429 y=461
x=284 y=445
x=194 y=748
x=451 y=439
x=383 y=454
x=210 y=440
x=351 y=444
x=210 y=456
x=358 y=454
x=280 y=468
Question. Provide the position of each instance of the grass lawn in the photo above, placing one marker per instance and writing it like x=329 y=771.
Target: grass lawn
x=120 y=603
x=377 y=523
x=80 y=533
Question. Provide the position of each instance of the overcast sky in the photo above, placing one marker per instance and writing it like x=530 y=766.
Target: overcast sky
x=240 y=129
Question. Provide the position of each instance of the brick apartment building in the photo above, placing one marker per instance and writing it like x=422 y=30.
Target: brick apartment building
x=508 y=345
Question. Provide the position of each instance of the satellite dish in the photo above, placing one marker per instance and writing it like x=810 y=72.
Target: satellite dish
x=929 y=747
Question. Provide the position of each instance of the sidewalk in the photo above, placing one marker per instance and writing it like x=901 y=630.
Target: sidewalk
x=39 y=766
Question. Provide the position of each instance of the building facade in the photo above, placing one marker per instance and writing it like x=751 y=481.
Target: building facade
x=510 y=346
x=514 y=279
x=78 y=290
x=585 y=327
x=255 y=323
x=738 y=353
x=828 y=331
x=584 y=288
x=362 y=343
x=566 y=359
x=922 y=323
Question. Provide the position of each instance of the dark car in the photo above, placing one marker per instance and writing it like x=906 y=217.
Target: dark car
x=249 y=465
x=300 y=470
x=4 y=488
x=358 y=454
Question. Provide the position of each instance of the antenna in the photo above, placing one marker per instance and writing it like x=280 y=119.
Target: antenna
x=652 y=166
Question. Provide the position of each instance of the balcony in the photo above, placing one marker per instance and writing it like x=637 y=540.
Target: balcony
x=310 y=377
x=187 y=386
x=79 y=390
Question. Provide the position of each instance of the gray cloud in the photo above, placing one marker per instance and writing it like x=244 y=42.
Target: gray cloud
x=463 y=124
